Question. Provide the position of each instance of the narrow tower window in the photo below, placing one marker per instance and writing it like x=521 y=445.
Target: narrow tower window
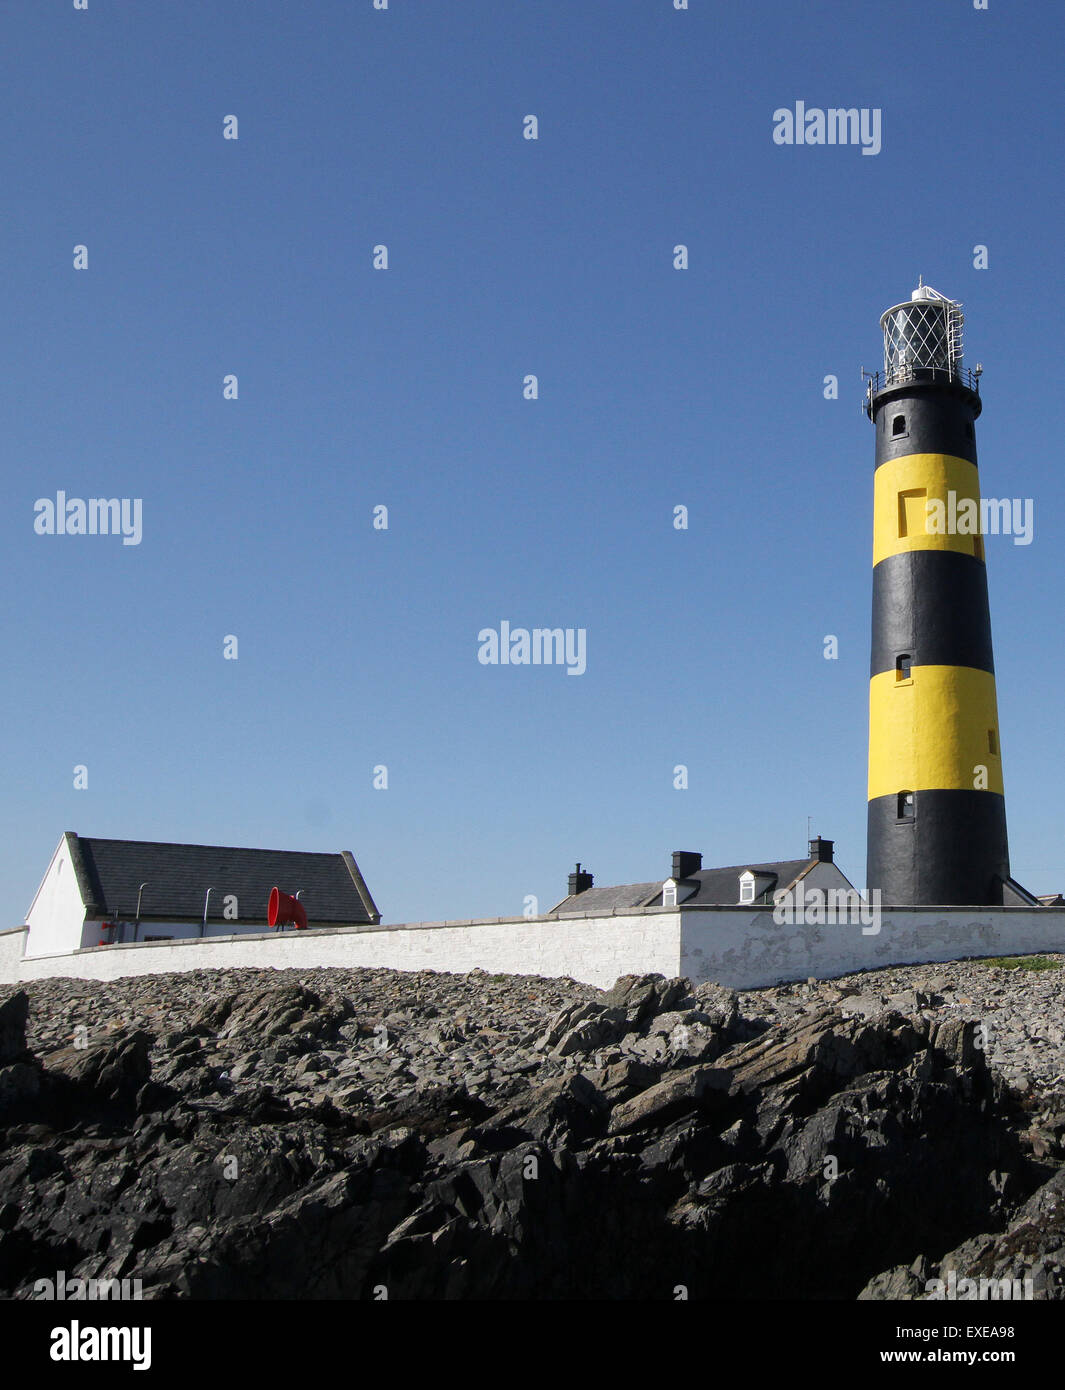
x=898 y=425
x=992 y=742
x=902 y=667
x=905 y=808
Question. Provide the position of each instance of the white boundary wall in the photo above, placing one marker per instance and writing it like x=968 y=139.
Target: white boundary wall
x=593 y=949
x=740 y=947
x=749 y=951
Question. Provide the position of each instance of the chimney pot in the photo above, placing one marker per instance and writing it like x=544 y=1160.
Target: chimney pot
x=685 y=863
x=580 y=880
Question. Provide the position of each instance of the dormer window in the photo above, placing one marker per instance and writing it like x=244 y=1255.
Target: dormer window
x=669 y=893
x=747 y=886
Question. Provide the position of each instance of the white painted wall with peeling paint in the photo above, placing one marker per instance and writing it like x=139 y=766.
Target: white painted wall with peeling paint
x=741 y=947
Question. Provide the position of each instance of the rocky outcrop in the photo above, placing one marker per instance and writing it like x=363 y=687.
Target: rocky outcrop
x=336 y=1134
x=1026 y=1261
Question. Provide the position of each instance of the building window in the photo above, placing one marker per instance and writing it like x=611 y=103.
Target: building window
x=669 y=893
x=898 y=426
x=992 y=742
x=905 y=806
x=902 y=667
x=747 y=888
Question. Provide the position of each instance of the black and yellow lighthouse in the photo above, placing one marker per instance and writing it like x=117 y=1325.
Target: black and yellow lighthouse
x=937 y=817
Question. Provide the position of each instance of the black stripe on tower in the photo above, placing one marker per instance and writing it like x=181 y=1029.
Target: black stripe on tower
x=939 y=420
x=954 y=851
x=932 y=605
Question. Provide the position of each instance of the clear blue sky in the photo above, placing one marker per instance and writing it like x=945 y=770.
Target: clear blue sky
x=404 y=388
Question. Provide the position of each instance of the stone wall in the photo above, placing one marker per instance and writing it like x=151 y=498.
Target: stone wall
x=12 y=947
x=594 y=949
x=740 y=947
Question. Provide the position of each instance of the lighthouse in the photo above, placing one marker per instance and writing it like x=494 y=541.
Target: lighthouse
x=937 y=816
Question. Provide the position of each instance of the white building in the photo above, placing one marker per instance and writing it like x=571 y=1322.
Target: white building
x=731 y=925
x=690 y=885
x=107 y=892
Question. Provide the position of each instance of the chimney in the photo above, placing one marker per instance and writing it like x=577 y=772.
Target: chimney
x=685 y=863
x=821 y=850
x=579 y=880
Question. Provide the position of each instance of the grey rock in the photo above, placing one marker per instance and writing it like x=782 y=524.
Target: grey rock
x=595 y=1031
x=864 y=1006
x=676 y=1094
x=720 y=1004
x=641 y=997
x=902 y=1282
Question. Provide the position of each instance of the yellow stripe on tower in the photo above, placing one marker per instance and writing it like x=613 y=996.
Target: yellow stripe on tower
x=903 y=486
x=933 y=732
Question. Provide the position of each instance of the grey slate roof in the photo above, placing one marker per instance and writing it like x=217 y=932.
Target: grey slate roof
x=177 y=877
x=717 y=888
x=1015 y=895
x=610 y=899
x=721 y=887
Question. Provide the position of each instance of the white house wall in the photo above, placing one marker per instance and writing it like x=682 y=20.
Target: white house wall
x=824 y=876
x=56 y=917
